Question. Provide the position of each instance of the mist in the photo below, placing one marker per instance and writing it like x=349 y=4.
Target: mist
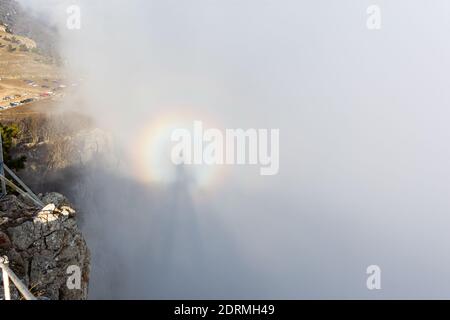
x=363 y=147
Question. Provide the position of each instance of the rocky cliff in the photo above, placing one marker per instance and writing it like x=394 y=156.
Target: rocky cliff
x=42 y=244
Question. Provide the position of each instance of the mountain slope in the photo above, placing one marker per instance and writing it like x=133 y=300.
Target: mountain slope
x=20 y=22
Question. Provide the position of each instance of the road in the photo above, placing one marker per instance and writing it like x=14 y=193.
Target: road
x=26 y=110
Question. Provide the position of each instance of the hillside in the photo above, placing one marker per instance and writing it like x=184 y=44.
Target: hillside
x=19 y=58
x=22 y=23
x=26 y=73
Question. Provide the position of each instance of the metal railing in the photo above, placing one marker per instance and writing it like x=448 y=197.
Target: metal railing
x=8 y=274
x=27 y=194
x=4 y=181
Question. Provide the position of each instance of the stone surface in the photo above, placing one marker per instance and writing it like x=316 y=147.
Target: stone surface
x=55 y=198
x=5 y=243
x=42 y=244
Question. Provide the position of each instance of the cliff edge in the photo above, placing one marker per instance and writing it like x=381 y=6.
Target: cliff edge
x=44 y=246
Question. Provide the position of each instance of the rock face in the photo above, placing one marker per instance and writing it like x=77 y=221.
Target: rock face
x=41 y=245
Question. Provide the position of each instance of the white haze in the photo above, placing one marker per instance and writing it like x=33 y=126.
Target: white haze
x=364 y=164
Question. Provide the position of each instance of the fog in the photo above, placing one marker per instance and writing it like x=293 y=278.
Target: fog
x=364 y=147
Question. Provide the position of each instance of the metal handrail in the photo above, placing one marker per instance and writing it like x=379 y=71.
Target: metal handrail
x=9 y=274
x=23 y=185
x=21 y=192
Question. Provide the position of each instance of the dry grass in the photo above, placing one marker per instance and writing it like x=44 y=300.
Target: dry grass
x=17 y=65
x=24 y=64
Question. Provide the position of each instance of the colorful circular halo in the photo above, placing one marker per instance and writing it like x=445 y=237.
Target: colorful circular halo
x=152 y=155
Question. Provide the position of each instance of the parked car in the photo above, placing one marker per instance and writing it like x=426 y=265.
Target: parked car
x=27 y=100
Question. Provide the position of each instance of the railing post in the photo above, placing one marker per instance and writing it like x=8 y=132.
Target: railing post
x=14 y=279
x=4 y=261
